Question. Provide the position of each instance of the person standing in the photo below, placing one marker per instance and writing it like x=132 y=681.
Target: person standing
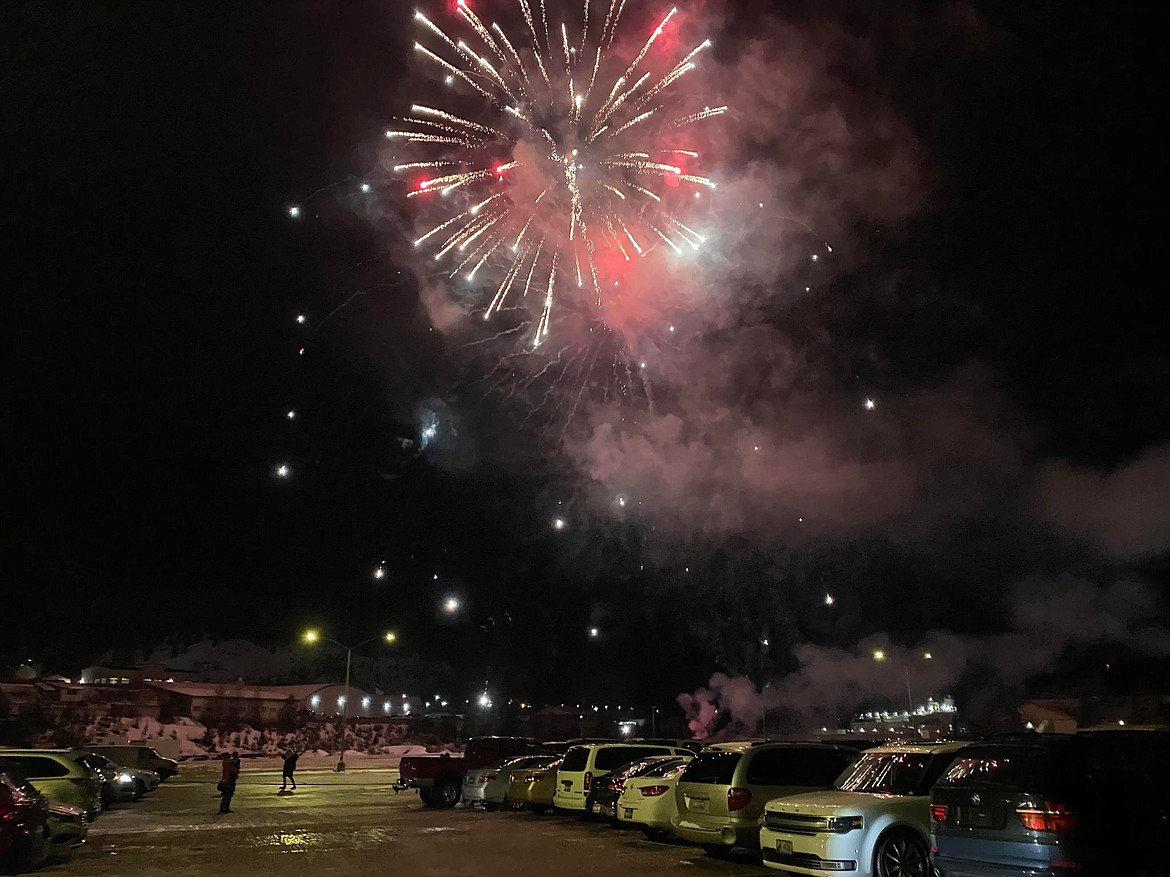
x=231 y=775
x=290 y=766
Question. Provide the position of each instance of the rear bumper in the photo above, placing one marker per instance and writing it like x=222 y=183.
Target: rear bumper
x=413 y=784
x=641 y=814
x=569 y=800
x=978 y=857
x=473 y=792
x=727 y=833
x=950 y=867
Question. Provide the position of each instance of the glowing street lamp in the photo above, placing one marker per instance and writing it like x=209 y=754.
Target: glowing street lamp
x=312 y=637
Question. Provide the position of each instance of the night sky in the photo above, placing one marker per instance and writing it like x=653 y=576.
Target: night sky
x=983 y=172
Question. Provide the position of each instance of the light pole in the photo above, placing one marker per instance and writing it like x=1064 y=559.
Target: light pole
x=880 y=656
x=312 y=637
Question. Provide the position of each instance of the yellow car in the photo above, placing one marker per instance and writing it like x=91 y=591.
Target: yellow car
x=533 y=789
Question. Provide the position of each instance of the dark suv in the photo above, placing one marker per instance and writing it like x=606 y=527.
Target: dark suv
x=1093 y=804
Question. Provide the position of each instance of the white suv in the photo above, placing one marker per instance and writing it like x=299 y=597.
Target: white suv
x=874 y=823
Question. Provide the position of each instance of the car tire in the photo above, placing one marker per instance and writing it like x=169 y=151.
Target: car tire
x=107 y=796
x=716 y=851
x=538 y=808
x=515 y=806
x=424 y=795
x=445 y=794
x=656 y=834
x=490 y=805
x=139 y=789
x=901 y=854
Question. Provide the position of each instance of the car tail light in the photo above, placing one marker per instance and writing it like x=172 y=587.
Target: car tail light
x=1054 y=817
x=487 y=777
x=938 y=812
x=654 y=791
x=588 y=781
x=737 y=799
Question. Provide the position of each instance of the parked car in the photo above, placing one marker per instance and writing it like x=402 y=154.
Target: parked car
x=439 y=778
x=533 y=788
x=24 y=815
x=1093 y=803
x=602 y=800
x=141 y=781
x=721 y=794
x=647 y=801
x=138 y=756
x=875 y=821
x=117 y=784
x=582 y=763
x=68 y=827
x=58 y=777
x=489 y=785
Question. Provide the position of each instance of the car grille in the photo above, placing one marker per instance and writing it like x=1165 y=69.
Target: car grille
x=795 y=823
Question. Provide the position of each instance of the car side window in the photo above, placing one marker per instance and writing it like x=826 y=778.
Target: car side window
x=795 y=767
x=37 y=767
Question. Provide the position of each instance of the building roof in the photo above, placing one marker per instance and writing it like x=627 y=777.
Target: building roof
x=244 y=691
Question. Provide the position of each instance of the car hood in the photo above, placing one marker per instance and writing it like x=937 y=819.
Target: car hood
x=834 y=803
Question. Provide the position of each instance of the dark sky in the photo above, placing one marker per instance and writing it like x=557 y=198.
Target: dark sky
x=152 y=278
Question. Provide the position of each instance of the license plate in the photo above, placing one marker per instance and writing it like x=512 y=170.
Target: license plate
x=699 y=805
x=784 y=847
x=596 y=808
x=629 y=812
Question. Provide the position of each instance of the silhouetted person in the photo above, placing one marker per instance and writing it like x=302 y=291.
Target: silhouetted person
x=231 y=775
x=290 y=766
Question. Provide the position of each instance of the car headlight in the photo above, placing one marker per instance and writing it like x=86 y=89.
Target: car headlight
x=125 y=778
x=843 y=824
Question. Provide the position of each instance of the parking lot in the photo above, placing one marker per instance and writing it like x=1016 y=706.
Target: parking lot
x=354 y=825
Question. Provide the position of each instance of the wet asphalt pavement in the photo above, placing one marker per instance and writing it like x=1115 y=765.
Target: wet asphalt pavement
x=354 y=825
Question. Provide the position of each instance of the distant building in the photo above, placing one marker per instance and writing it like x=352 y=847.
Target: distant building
x=1064 y=715
x=112 y=675
x=933 y=719
x=200 y=700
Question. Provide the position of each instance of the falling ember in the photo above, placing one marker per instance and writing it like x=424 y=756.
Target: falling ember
x=549 y=113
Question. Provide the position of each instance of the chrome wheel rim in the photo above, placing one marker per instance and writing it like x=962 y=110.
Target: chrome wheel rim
x=901 y=857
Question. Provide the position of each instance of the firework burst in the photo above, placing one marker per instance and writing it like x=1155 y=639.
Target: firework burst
x=562 y=171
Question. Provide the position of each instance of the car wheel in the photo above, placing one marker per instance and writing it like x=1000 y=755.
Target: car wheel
x=515 y=806
x=139 y=788
x=538 y=808
x=445 y=794
x=490 y=805
x=901 y=855
x=424 y=795
x=656 y=834
x=107 y=797
x=716 y=851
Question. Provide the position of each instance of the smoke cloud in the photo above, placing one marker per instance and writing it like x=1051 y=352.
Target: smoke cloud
x=1047 y=618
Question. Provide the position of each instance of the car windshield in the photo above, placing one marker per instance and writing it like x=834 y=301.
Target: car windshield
x=889 y=773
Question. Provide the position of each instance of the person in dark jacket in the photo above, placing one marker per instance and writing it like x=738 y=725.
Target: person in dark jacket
x=231 y=775
x=290 y=766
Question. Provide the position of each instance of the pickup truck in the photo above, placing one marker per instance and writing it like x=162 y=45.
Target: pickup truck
x=439 y=778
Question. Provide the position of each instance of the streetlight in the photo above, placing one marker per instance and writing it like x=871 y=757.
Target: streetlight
x=312 y=637
x=880 y=656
